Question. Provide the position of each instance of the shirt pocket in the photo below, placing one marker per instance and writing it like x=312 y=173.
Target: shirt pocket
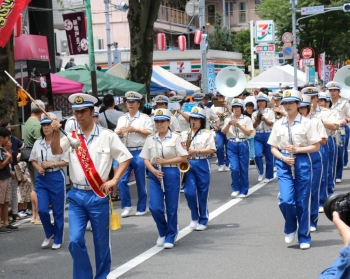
x=103 y=158
x=283 y=138
x=300 y=138
x=201 y=144
x=169 y=150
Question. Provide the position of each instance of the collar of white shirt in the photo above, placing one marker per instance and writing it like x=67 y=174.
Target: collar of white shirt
x=168 y=135
x=95 y=133
x=137 y=115
x=298 y=119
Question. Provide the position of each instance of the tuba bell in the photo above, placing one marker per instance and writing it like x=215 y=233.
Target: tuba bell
x=230 y=81
x=343 y=77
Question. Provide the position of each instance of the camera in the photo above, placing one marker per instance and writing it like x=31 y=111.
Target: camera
x=341 y=204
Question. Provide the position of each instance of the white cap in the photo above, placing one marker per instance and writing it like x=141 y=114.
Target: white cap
x=237 y=103
x=333 y=85
x=45 y=119
x=81 y=101
x=162 y=114
x=161 y=99
x=197 y=112
x=310 y=91
x=133 y=96
x=291 y=95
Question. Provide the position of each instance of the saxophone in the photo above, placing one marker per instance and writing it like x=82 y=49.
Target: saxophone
x=185 y=165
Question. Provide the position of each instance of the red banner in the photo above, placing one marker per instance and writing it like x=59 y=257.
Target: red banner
x=10 y=10
x=320 y=65
x=31 y=47
x=329 y=72
x=74 y=24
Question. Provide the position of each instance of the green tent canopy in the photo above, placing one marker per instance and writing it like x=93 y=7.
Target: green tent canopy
x=106 y=84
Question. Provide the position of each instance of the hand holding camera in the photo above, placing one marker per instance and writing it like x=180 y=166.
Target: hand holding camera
x=343 y=229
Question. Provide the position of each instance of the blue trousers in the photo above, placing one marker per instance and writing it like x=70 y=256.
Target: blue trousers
x=317 y=173
x=332 y=159
x=139 y=168
x=346 y=154
x=196 y=189
x=82 y=207
x=51 y=189
x=238 y=153
x=263 y=149
x=221 y=148
x=166 y=226
x=340 y=159
x=295 y=195
x=324 y=180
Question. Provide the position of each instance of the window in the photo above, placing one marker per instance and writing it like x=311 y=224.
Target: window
x=242 y=13
x=228 y=8
x=211 y=14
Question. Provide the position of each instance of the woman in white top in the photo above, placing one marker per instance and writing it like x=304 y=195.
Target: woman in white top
x=161 y=154
x=291 y=139
x=237 y=129
x=50 y=184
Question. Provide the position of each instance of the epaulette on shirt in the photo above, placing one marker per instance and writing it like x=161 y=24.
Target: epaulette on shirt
x=206 y=130
x=176 y=133
x=325 y=109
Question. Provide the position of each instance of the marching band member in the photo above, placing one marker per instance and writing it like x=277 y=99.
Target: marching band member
x=291 y=139
x=210 y=115
x=197 y=179
x=331 y=124
x=162 y=102
x=181 y=116
x=238 y=128
x=343 y=109
x=134 y=127
x=316 y=157
x=89 y=168
x=50 y=183
x=263 y=120
x=221 y=140
x=278 y=108
x=161 y=154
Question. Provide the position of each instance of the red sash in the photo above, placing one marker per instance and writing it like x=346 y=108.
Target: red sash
x=88 y=166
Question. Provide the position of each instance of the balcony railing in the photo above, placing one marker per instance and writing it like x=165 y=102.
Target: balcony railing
x=169 y=15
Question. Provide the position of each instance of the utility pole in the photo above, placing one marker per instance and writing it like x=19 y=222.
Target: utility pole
x=203 y=46
x=91 y=48
x=108 y=31
x=294 y=31
x=251 y=25
x=223 y=14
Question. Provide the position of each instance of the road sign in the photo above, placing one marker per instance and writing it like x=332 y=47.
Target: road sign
x=307 y=52
x=265 y=48
x=192 y=8
x=309 y=61
x=287 y=45
x=287 y=37
x=288 y=51
x=312 y=10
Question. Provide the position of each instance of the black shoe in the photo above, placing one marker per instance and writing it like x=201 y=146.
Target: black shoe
x=3 y=229
x=251 y=162
x=12 y=228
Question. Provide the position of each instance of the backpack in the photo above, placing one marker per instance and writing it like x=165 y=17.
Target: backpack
x=110 y=125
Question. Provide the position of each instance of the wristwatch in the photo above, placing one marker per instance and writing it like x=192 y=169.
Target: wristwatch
x=136 y=131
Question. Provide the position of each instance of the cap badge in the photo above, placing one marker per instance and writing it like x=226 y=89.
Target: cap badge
x=195 y=110
x=332 y=84
x=159 y=112
x=235 y=100
x=175 y=99
x=131 y=95
x=160 y=98
x=309 y=91
x=261 y=95
x=78 y=100
x=287 y=94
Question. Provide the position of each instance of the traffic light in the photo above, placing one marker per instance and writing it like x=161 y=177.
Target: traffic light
x=346 y=7
x=281 y=59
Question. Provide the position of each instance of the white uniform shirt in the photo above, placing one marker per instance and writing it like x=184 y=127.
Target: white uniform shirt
x=303 y=133
x=319 y=127
x=41 y=152
x=269 y=115
x=71 y=124
x=103 y=146
x=343 y=109
x=184 y=124
x=140 y=121
x=210 y=116
x=327 y=115
x=220 y=110
x=172 y=146
x=174 y=124
x=233 y=131
x=203 y=139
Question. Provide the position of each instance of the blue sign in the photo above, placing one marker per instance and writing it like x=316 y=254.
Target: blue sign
x=311 y=74
x=287 y=51
x=211 y=78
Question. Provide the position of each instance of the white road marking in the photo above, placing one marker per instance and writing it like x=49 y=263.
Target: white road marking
x=185 y=231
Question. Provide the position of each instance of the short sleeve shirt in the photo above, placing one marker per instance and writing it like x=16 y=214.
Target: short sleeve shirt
x=203 y=139
x=31 y=131
x=269 y=114
x=234 y=132
x=41 y=152
x=5 y=172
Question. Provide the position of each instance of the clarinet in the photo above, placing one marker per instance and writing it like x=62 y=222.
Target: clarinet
x=157 y=155
x=291 y=143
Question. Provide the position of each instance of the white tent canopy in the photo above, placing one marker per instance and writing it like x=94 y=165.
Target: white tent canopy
x=275 y=77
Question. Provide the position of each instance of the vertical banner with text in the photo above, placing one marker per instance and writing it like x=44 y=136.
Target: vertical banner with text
x=74 y=24
x=320 y=65
x=211 y=78
x=329 y=70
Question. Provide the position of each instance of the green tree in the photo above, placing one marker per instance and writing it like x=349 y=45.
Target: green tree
x=325 y=32
x=221 y=38
x=242 y=45
x=141 y=17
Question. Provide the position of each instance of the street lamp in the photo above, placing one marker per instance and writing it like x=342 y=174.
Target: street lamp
x=122 y=6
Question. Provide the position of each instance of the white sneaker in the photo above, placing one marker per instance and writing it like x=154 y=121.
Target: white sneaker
x=201 y=227
x=140 y=213
x=193 y=224
x=321 y=209
x=227 y=168
x=168 y=245
x=234 y=194
x=312 y=229
x=55 y=246
x=274 y=169
x=221 y=168
x=266 y=180
x=338 y=180
x=242 y=196
x=345 y=167
x=289 y=238
x=182 y=190
x=46 y=242
x=260 y=177
x=160 y=241
x=304 y=246
x=88 y=226
x=126 y=212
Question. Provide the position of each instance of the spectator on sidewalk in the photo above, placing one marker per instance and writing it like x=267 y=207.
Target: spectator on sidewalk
x=109 y=118
x=24 y=188
x=58 y=62
x=70 y=64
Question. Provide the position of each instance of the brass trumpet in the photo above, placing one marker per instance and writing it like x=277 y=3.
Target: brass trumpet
x=278 y=115
x=185 y=165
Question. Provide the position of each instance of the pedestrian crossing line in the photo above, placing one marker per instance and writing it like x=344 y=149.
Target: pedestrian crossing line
x=185 y=231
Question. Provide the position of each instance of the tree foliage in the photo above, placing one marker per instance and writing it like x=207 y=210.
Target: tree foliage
x=221 y=38
x=242 y=44
x=141 y=17
x=327 y=32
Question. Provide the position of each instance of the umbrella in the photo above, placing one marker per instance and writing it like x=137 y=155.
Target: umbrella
x=106 y=84
x=61 y=85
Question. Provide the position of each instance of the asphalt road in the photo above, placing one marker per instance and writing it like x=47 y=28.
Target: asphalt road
x=244 y=240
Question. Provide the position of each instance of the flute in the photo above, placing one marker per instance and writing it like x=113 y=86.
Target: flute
x=157 y=155
x=291 y=143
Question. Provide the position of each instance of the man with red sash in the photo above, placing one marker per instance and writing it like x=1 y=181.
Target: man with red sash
x=89 y=166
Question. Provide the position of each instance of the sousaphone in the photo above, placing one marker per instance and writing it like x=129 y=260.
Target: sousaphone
x=343 y=77
x=230 y=81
